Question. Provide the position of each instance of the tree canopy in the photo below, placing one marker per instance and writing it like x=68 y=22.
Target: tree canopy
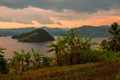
x=114 y=42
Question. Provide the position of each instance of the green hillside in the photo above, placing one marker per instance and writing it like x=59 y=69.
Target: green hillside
x=87 y=31
x=90 y=71
x=38 y=35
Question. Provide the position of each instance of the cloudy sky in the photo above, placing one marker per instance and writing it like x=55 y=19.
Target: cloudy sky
x=58 y=13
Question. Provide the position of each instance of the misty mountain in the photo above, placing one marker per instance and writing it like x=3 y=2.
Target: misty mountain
x=18 y=31
x=84 y=31
x=15 y=31
x=56 y=31
x=93 y=31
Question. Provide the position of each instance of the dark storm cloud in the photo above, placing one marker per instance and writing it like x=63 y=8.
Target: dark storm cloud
x=77 y=5
x=26 y=15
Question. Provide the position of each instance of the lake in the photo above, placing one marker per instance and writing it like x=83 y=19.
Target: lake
x=13 y=45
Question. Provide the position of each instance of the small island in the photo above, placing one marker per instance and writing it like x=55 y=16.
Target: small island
x=38 y=35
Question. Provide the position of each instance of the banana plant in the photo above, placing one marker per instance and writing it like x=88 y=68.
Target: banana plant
x=58 y=48
x=20 y=57
x=2 y=50
x=36 y=58
x=87 y=44
x=67 y=48
x=27 y=60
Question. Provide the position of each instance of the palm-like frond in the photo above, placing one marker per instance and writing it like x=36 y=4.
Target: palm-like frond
x=51 y=50
x=2 y=50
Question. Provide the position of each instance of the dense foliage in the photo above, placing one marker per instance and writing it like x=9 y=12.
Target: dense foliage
x=3 y=63
x=68 y=49
x=114 y=42
x=38 y=35
x=24 y=61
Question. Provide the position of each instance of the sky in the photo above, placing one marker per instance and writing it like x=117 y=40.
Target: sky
x=58 y=13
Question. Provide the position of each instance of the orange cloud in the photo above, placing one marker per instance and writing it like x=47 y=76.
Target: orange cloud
x=37 y=17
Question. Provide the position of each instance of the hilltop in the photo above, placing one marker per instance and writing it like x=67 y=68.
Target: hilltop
x=94 y=31
x=38 y=35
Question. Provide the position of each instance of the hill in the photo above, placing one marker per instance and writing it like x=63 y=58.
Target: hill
x=84 y=31
x=88 y=31
x=38 y=35
x=18 y=31
x=15 y=31
x=56 y=31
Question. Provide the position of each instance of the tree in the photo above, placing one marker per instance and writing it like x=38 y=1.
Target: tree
x=114 y=42
x=3 y=63
x=115 y=39
x=19 y=57
x=67 y=48
x=20 y=61
x=27 y=60
x=57 y=47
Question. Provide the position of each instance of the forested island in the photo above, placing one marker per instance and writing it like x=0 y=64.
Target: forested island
x=38 y=35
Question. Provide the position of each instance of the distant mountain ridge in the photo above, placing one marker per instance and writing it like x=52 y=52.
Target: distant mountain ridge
x=56 y=31
x=84 y=31
x=15 y=31
x=87 y=31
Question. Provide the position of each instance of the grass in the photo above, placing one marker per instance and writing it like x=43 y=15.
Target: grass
x=89 y=71
x=107 y=67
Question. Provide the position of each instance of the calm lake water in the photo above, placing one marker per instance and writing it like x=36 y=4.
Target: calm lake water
x=13 y=45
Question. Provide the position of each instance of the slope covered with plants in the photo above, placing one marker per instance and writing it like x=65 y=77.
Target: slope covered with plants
x=38 y=35
x=73 y=60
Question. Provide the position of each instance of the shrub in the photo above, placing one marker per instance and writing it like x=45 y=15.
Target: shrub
x=4 y=68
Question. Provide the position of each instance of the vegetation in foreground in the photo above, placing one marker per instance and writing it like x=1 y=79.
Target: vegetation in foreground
x=69 y=50
x=89 y=71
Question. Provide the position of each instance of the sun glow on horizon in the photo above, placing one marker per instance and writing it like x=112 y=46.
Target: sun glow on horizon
x=64 y=24
x=37 y=17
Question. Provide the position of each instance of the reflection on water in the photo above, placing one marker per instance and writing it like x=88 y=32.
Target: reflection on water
x=13 y=45
x=98 y=41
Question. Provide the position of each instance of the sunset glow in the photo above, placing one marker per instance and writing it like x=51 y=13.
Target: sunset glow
x=37 y=16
